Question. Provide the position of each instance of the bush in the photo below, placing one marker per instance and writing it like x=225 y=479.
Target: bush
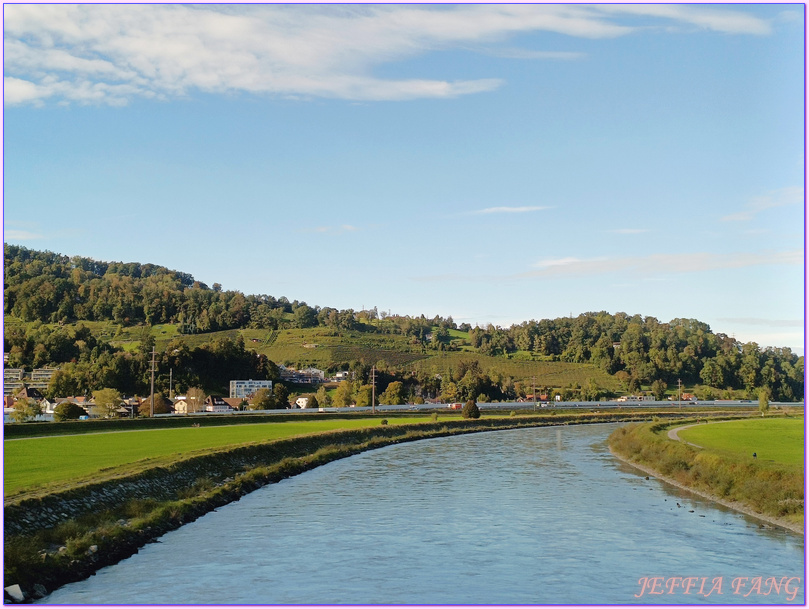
x=470 y=410
x=383 y=422
x=67 y=411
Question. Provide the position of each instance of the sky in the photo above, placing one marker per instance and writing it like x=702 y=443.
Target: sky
x=495 y=163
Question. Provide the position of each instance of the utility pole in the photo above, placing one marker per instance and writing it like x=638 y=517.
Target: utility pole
x=679 y=394
x=534 y=379
x=373 y=389
x=171 y=383
x=151 y=406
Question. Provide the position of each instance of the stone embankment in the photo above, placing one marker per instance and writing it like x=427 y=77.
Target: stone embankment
x=186 y=490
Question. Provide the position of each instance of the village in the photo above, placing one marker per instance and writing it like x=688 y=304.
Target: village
x=25 y=397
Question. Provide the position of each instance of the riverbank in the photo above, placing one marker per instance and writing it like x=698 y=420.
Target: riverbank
x=768 y=493
x=67 y=536
x=736 y=506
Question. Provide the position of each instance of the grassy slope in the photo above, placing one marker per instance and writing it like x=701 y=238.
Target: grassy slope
x=35 y=462
x=323 y=347
x=778 y=440
x=553 y=374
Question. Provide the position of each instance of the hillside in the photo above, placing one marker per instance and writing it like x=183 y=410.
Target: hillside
x=98 y=321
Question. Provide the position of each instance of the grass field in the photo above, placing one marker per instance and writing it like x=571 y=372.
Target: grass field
x=33 y=463
x=777 y=440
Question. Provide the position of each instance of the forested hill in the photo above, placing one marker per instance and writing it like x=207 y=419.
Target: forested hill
x=53 y=289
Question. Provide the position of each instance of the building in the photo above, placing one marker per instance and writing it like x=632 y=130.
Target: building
x=14 y=379
x=246 y=389
x=216 y=404
x=235 y=403
x=42 y=374
x=308 y=376
x=30 y=393
x=181 y=405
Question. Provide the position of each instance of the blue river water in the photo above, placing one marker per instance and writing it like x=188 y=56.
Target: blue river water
x=532 y=516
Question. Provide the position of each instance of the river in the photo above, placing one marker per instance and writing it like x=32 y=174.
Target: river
x=531 y=516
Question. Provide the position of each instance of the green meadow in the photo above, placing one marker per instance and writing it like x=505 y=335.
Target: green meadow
x=777 y=440
x=39 y=463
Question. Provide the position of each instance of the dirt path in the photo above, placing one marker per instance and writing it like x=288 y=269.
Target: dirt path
x=673 y=432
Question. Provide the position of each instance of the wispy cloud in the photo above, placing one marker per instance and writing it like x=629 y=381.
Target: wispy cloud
x=658 y=264
x=629 y=231
x=21 y=235
x=343 y=228
x=758 y=321
x=778 y=198
x=539 y=55
x=509 y=210
x=715 y=19
x=113 y=53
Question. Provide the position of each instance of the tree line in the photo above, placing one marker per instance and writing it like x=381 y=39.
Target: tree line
x=640 y=351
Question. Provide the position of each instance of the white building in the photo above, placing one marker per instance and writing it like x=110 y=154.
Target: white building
x=216 y=404
x=245 y=389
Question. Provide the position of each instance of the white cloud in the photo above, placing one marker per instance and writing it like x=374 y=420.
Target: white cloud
x=509 y=210
x=18 y=91
x=777 y=198
x=20 y=235
x=112 y=53
x=657 y=264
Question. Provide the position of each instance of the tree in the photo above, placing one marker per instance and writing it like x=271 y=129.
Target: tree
x=312 y=402
x=68 y=411
x=659 y=389
x=763 y=401
x=263 y=400
x=281 y=394
x=393 y=394
x=449 y=391
x=470 y=410
x=342 y=396
x=322 y=397
x=305 y=317
x=26 y=410
x=62 y=384
x=363 y=396
x=161 y=405
x=195 y=398
x=107 y=402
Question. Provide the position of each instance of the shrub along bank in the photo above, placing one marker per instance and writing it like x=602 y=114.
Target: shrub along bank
x=769 y=489
x=68 y=536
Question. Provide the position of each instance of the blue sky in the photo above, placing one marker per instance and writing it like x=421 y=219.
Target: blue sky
x=495 y=163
